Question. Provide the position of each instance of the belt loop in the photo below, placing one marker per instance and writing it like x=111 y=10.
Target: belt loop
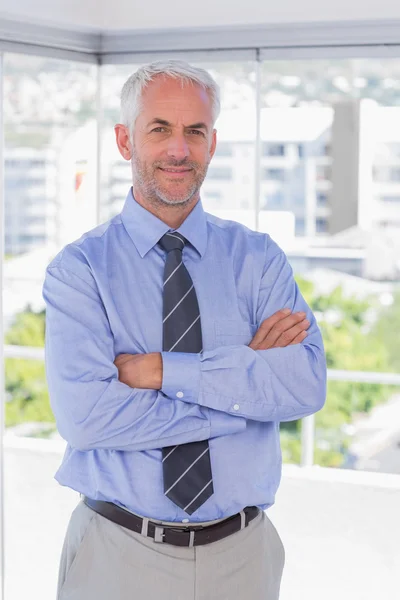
x=242 y=519
x=159 y=534
x=145 y=526
x=191 y=539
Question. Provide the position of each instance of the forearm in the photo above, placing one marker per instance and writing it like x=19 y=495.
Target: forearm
x=93 y=409
x=142 y=371
x=122 y=418
x=281 y=384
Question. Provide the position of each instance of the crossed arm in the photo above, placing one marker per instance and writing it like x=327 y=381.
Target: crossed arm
x=149 y=401
x=145 y=371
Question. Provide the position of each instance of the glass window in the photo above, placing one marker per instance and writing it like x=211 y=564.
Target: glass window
x=300 y=226
x=50 y=146
x=274 y=174
x=328 y=110
x=390 y=199
x=385 y=174
x=273 y=201
x=273 y=149
x=219 y=173
x=224 y=149
x=322 y=225
x=323 y=173
x=313 y=112
x=49 y=125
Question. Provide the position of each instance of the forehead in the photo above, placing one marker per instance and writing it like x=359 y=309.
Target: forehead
x=168 y=98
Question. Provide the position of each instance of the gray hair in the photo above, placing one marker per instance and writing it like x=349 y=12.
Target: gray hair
x=131 y=94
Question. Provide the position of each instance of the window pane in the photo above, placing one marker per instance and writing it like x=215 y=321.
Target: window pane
x=50 y=145
x=233 y=175
x=339 y=177
x=115 y=173
x=50 y=195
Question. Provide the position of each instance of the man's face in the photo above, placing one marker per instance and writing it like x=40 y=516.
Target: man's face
x=173 y=142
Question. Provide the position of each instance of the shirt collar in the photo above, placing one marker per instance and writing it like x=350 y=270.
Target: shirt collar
x=145 y=229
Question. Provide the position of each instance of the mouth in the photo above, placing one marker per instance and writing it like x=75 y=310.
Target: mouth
x=175 y=172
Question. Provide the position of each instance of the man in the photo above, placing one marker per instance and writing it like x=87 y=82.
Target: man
x=176 y=342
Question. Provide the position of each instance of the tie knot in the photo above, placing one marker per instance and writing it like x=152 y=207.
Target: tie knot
x=172 y=241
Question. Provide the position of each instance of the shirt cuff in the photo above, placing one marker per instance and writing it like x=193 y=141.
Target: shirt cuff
x=181 y=376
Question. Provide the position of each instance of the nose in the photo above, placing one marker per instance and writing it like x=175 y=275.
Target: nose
x=178 y=147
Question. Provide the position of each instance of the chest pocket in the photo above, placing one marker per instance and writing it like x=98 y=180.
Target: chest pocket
x=233 y=332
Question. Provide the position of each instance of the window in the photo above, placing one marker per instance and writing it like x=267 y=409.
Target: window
x=390 y=224
x=321 y=225
x=394 y=174
x=273 y=201
x=47 y=107
x=212 y=198
x=300 y=226
x=34 y=220
x=385 y=174
x=322 y=199
x=224 y=173
x=217 y=194
x=224 y=149
x=273 y=174
x=273 y=149
x=326 y=149
x=323 y=173
x=391 y=199
x=49 y=132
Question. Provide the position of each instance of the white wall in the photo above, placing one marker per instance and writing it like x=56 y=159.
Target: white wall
x=136 y=14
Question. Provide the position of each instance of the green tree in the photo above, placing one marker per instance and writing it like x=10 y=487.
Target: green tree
x=349 y=342
x=387 y=328
x=349 y=345
x=26 y=389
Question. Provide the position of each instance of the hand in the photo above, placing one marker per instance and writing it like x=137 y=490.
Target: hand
x=142 y=371
x=280 y=330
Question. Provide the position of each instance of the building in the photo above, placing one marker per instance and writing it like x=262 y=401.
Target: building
x=322 y=171
x=30 y=198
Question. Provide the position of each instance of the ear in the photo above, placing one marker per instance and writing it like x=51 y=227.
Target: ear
x=213 y=143
x=122 y=139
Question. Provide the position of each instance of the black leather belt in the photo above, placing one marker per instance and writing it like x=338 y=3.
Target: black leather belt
x=176 y=535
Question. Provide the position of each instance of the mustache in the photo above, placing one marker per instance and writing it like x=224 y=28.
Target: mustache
x=176 y=163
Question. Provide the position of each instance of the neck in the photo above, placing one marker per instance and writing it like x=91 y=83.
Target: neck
x=171 y=215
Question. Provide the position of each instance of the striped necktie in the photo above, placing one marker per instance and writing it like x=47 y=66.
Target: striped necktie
x=186 y=468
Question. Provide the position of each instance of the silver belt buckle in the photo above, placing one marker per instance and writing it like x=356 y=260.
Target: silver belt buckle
x=159 y=535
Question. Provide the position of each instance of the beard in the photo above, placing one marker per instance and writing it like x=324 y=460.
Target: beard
x=159 y=193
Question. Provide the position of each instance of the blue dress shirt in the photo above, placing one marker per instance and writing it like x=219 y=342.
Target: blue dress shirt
x=103 y=296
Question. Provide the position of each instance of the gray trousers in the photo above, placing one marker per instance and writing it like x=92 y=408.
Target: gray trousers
x=104 y=561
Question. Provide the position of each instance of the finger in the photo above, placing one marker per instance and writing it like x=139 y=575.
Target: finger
x=285 y=338
x=290 y=335
x=266 y=327
x=281 y=327
x=300 y=338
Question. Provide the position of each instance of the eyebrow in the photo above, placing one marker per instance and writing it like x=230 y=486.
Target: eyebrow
x=165 y=123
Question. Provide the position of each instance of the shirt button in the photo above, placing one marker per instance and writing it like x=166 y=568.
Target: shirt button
x=236 y=407
x=179 y=394
x=185 y=520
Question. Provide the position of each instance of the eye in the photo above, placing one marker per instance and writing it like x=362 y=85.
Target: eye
x=158 y=130
x=196 y=132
